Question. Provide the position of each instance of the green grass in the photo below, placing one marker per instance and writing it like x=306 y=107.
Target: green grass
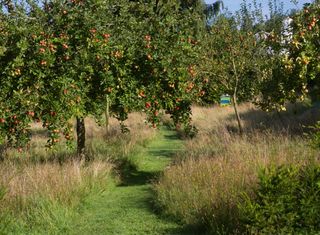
x=44 y=218
x=126 y=209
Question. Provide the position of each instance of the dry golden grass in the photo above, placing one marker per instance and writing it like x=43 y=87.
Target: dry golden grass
x=135 y=123
x=65 y=183
x=113 y=144
x=290 y=122
x=207 y=181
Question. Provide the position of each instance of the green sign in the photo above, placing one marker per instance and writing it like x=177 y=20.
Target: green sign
x=225 y=100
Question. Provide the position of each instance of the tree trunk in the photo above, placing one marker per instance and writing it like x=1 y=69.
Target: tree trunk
x=235 y=106
x=3 y=149
x=234 y=97
x=107 y=114
x=81 y=137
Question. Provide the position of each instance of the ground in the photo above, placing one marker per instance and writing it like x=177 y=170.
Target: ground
x=127 y=208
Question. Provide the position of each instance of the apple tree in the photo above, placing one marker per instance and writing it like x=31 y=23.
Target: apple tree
x=304 y=50
x=57 y=69
x=294 y=68
x=232 y=63
x=167 y=65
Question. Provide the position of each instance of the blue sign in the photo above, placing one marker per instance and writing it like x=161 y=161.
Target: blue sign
x=225 y=100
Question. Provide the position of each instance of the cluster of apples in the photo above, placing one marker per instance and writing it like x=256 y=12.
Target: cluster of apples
x=312 y=23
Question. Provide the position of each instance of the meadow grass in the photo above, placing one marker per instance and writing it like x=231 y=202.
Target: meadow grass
x=42 y=191
x=208 y=180
x=49 y=192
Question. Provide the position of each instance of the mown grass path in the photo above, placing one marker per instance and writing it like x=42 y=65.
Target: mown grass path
x=127 y=209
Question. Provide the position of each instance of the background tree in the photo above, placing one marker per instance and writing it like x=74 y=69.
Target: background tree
x=233 y=63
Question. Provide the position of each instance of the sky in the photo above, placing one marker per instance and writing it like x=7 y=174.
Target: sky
x=234 y=5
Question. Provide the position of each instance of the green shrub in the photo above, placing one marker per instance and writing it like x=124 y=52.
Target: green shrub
x=287 y=201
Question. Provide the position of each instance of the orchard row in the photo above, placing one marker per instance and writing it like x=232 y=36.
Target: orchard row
x=69 y=59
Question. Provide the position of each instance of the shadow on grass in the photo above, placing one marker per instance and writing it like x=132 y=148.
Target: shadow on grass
x=131 y=176
x=172 y=137
x=130 y=173
x=295 y=121
x=135 y=177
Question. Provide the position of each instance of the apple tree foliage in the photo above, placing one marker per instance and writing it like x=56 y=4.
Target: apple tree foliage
x=304 y=49
x=293 y=69
x=18 y=95
x=167 y=63
x=62 y=59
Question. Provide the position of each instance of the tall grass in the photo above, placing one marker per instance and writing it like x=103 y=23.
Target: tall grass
x=66 y=183
x=206 y=184
x=114 y=145
x=42 y=190
x=43 y=195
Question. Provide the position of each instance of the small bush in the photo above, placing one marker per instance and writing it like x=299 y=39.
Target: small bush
x=287 y=201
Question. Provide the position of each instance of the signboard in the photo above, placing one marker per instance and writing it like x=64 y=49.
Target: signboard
x=225 y=100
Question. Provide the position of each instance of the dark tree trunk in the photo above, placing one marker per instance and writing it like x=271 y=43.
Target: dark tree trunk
x=3 y=149
x=81 y=138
